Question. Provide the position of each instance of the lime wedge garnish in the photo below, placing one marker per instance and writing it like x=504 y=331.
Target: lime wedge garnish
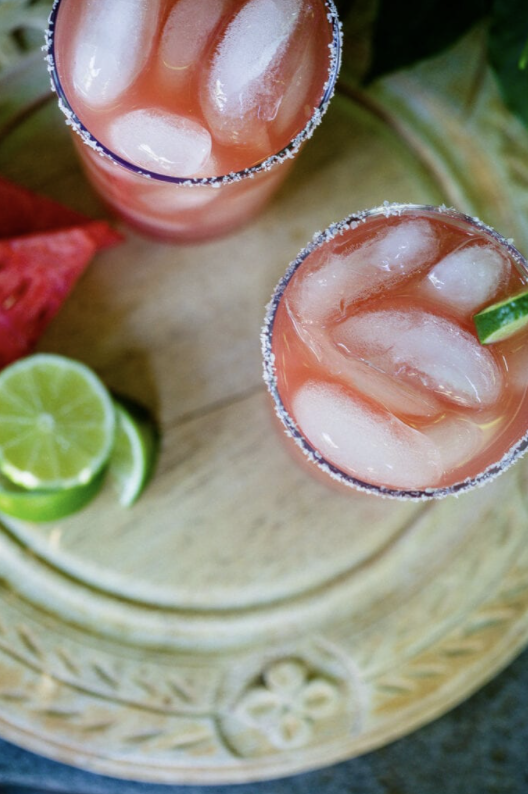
x=503 y=319
x=57 y=423
x=135 y=450
x=46 y=505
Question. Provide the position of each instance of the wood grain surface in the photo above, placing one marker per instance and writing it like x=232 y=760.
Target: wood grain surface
x=245 y=620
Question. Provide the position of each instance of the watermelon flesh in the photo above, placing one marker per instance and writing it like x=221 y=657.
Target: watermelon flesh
x=24 y=212
x=37 y=273
x=44 y=249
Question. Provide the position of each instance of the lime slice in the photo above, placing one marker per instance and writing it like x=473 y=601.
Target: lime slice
x=57 y=423
x=135 y=450
x=503 y=319
x=46 y=505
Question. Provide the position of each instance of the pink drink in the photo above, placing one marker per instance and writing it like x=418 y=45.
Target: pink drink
x=373 y=361
x=192 y=109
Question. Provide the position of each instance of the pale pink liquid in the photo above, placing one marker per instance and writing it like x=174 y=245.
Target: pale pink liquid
x=427 y=410
x=184 y=74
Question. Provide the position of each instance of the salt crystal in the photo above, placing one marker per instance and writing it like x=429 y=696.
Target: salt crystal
x=161 y=142
x=416 y=346
x=112 y=44
x=468 y=278
x=365 y=443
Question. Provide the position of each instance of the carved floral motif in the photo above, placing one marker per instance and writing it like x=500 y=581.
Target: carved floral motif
x=287 y=706
x=292 y=703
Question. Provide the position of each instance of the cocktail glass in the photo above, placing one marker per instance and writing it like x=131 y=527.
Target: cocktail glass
x=181 y=208
x=372 y=359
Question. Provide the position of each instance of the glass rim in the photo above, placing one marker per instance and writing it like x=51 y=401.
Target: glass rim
x=287 y=152
x=514 y=453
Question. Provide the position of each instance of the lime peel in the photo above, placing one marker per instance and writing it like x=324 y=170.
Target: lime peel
x=135 y=450
x=501 y=320
x=45 y=506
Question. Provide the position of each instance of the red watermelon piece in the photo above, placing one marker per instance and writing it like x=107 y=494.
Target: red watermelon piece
x=37 y=273
x=44 y=249
x=24 y=212
x=102 y=234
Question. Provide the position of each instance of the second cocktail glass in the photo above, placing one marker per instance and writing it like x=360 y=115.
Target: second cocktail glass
x=372 y=357
x=190 y=112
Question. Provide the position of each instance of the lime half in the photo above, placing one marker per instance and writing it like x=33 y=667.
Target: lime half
x=46 y=505
x=57 y=423
x=503 y=319
x=135 y=451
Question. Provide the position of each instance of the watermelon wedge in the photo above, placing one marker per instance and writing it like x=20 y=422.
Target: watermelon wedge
x=44 y=249
x=37 y=273
x=24 y=212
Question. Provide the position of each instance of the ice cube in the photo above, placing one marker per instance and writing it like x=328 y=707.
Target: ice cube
x=399 y=398
x=186 y=35
x=515 y=352
x=243 y=89
x=404 y=247
x=112 y=44
x=212 y=167
x=296 y=109
x=161 y=142
x=415 y=346
x=321 y=293
x=458 y=440
x=468 y=278
x=364 y=442
x=167 y=199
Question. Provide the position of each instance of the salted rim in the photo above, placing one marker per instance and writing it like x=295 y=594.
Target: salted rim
x=288 y=152
x=270 y=377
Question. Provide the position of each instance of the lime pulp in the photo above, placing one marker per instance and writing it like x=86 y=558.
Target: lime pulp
x=57 y=423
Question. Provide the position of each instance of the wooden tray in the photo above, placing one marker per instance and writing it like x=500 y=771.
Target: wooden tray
x=244 y=621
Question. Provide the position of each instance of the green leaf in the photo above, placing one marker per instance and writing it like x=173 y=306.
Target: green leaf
x=507 y=47
x=20 y=21
x=406 y=31
x=8 y=51
x=15 y=14
x=358 y=20
x=523 y=60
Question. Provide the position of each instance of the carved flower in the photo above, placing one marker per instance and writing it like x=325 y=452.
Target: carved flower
x=287 y=703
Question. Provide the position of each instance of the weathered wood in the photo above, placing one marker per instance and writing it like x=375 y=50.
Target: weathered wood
x=245 y=620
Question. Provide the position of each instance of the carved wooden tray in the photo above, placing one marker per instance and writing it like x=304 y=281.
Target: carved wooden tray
x=244 y=621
